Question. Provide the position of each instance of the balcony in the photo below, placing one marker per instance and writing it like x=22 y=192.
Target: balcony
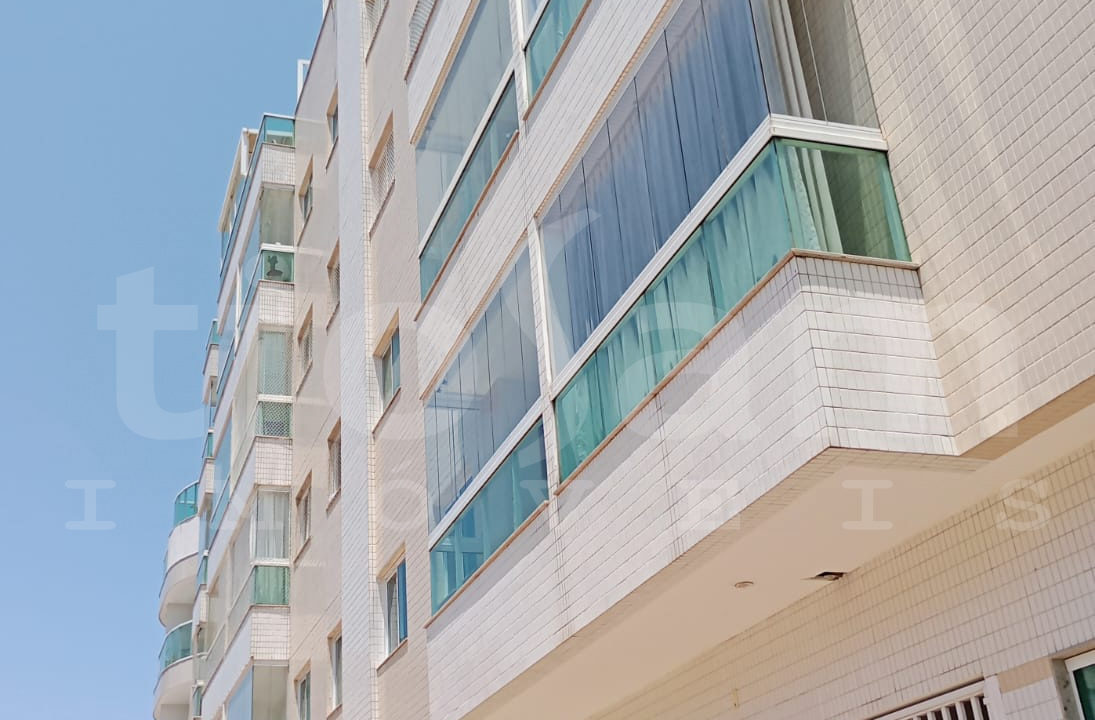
x=181 y=559
x=173 y=689
x=186 y=504
x=274 y=130
x=267 y=587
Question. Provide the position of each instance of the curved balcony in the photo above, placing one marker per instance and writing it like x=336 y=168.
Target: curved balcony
x=181 y=560
x=173 y=689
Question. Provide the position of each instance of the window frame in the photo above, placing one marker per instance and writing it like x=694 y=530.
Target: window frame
x=335 y=652
x=302 y=514
x=305 y=345
x=303 y=692
x=332 y=119
x=388 y=361
x=382 y=172
x=334 y=282
x=306 y=196
x=397 y=575
x=334 y=469
x=1073 y=665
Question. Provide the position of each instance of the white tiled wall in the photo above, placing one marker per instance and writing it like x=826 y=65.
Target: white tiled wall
x=989 y=115
x=975 y=596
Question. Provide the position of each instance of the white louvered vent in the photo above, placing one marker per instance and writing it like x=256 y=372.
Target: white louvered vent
x=967 y=703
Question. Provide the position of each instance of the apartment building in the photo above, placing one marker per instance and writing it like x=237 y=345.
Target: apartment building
x=686 y=359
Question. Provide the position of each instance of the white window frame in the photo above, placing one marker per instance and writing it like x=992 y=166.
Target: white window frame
x=393 y=643
x=336 y=677
x=1072 y=664
x=332 y=119
x=303 y=512
x=304 y=705
x=305 y=340
x=334 y=281
x=334 y=461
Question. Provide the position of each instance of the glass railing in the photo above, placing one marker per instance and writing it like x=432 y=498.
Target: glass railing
x=203 y=570
x=208 y=449
x=794 y=195
x=504 y=503
x=547 y=39
x=266 y=585
x=176 y=646
x=214 y=336
x=186 y=504
x=469 y=188
x=196 y=702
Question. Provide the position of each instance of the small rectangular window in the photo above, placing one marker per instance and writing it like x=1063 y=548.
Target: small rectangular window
x=336 y=672
x=395 y=605
x=332 y=122
x=334 y=459
x=306 y=199
x=389 y=370
x=304 y=345
x=334 y=281
x=304 y=697
x=304 y=514
x=382 y=173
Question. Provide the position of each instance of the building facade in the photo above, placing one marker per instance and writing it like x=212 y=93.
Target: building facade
x=661 y=359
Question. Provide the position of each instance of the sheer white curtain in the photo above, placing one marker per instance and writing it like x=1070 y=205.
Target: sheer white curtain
x=804 y=168
x=272 y=526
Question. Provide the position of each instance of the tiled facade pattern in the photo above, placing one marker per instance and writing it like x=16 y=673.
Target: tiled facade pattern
x=991 y=139
x=315 y=598
x=987 y=590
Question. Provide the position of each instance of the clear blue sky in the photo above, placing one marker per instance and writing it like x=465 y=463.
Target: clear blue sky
x=119 y=121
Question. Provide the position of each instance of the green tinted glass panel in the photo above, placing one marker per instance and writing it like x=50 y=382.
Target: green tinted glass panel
x=548 y=37
x=186 y=504
x=469 y=188
x=176 y=646
x=271 y=585
x=1085 y=688
x=795 y=194
x=507 y=500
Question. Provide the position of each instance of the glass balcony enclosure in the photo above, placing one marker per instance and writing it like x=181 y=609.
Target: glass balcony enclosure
x=176 y=646
x=488 y=388
x=795 y=195
x=261 y=695
x=186 y=504
x=547 y=38
x=507 y=500
x=274 y=130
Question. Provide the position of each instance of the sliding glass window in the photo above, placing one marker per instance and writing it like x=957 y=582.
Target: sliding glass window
x=473 y=79
x=694 y=102
x=795 y=194
x=489 y=387
x=469 y=188
x=547 y=38
x=505 y=502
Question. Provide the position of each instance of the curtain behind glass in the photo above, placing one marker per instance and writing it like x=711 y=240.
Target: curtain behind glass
x=491 y=384
x=695 y=100
x=272 y=526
